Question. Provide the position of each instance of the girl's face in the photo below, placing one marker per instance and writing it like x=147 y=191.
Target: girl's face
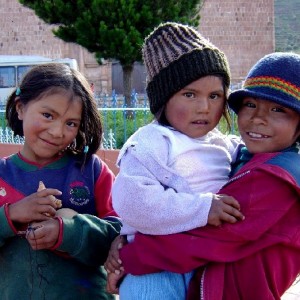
x=266 y=126
x=50 y=124
x=197 y=108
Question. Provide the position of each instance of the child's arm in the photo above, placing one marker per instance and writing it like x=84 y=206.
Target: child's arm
x=87 y=238
x=150 y=207
x=265 y=209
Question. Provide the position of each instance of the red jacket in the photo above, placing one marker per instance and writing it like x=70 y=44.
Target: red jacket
x=258 y=258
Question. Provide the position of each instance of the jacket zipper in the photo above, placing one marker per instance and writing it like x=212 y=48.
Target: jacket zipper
x=237 y=177
x=202 y=285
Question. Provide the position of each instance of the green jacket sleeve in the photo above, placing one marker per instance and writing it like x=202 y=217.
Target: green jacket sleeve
x=87 y=238
x=6 y=230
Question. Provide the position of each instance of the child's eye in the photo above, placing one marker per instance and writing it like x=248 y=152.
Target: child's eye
x=72 y=124
x=249 y=104
x=47 y=116
x=278 y=109
x=189 y=95
x=214 y=96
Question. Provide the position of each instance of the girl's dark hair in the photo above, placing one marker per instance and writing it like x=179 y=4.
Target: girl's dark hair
x=53 y=77
x=160 y=116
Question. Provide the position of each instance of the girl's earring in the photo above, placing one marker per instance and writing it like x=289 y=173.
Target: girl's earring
x=86 y=149
x=18 y=91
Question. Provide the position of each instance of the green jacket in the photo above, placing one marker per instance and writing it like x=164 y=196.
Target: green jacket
x=48 y=275
x=74 y=270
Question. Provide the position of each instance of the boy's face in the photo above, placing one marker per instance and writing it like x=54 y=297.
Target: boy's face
x=197 y=108
x=266 y=126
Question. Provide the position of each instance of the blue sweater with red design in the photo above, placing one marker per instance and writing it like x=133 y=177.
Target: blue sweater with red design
x=86 y=237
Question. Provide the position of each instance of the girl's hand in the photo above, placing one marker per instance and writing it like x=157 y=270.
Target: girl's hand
x=112 y=285
x=224 y=209
x=43 y=235
x=113 y=262
x=39 y=206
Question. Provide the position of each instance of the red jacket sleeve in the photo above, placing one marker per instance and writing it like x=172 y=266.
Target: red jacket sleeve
x=270 y=204
x=103 y=196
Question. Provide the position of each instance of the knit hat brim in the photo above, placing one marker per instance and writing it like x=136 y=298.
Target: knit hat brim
x=186 y=69
x=235 y=98
x=275 y=77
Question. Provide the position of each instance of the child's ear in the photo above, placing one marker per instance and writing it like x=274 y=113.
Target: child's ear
x=19 y=109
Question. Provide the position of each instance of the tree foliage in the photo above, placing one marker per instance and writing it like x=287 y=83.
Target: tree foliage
x=112 y=29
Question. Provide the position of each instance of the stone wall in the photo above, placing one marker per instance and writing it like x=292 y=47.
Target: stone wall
x=243 y=29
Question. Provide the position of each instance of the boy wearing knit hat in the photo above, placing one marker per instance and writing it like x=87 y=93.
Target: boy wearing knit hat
x=171 y=169
x=258 y=258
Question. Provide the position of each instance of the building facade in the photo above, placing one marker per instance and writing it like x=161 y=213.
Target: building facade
x=243 y=29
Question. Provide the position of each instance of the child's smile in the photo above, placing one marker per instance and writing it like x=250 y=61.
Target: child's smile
x=50 y=124
x=266 y=126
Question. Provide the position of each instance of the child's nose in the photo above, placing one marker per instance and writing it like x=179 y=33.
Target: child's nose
x=56 y=129
x=202 y=106
x=259 y=117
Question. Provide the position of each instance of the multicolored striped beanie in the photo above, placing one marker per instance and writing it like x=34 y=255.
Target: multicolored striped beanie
x=176 y=55
x=275 y=77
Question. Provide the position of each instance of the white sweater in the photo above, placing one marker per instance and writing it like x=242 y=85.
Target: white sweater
x=166 y=178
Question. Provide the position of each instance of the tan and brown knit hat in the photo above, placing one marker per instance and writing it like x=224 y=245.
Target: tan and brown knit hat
x=176 y=55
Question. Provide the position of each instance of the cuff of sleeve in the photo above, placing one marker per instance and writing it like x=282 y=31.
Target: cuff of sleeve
x=60 y=234
x=9 y=221
x=206 y=200
x=69 y=238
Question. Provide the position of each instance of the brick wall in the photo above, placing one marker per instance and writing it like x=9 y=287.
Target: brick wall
x=243 y=29
x=23 y=33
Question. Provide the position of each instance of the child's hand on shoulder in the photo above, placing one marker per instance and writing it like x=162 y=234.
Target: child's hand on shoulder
x=224 y=209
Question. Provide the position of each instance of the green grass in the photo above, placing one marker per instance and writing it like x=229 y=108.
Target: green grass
x=122 y=127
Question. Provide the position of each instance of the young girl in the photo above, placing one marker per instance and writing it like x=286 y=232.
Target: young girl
x=258 y=258
x=43 y=255
x=171 y=169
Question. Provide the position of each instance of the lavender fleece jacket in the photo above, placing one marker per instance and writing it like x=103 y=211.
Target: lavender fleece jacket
x=166 y=179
